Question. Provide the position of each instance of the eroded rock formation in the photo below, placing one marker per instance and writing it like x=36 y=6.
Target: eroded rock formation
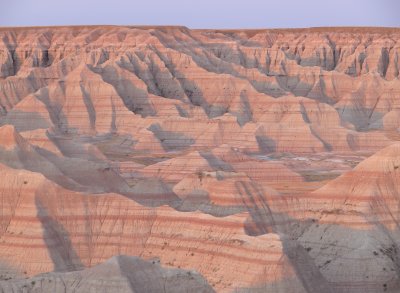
x=163 y=159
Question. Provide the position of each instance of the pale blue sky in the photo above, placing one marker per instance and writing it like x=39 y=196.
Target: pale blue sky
x=202 y=14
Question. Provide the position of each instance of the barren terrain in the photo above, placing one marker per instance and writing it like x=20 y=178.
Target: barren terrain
x=164 y=159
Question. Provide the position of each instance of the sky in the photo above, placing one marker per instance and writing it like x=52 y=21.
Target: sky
x=202 y=14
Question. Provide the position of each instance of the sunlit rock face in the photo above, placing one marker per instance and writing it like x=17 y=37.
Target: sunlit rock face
x=163 y=159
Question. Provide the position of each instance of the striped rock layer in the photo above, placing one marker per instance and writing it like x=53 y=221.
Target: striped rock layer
x=164 y=159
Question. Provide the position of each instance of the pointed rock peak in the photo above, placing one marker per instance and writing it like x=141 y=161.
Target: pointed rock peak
x=113 y=265
x=385 y=160
x=376 y=175
x=392 y=150
x=10 y=138
x=80 y=72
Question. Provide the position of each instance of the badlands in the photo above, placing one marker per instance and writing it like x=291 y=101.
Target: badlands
x=164 y=159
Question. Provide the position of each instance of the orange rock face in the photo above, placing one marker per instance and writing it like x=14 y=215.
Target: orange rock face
x=163 y=159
